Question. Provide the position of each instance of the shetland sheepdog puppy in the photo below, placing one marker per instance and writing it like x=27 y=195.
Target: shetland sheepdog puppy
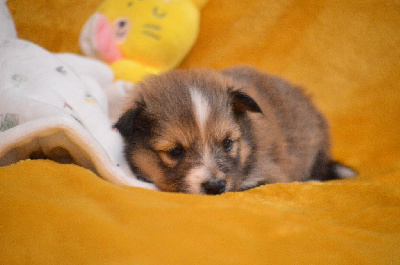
x=210 y=132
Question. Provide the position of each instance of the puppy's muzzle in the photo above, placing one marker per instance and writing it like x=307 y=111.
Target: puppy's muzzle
x=214 y=186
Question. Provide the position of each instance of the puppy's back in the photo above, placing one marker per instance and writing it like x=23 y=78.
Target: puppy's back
x=303 y=129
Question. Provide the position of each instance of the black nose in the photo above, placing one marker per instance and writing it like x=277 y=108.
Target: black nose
x=214 y=186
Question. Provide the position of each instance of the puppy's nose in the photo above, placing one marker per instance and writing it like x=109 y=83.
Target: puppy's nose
x=214 y=186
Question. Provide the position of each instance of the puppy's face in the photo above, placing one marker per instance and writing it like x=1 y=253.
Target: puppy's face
x=189 y=132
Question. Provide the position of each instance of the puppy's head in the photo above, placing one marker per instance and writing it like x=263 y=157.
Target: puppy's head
x=188 y=131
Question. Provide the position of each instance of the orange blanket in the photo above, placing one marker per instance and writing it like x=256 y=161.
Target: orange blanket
x=345 y=53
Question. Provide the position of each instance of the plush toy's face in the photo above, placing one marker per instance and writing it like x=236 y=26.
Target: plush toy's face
x=152 y=32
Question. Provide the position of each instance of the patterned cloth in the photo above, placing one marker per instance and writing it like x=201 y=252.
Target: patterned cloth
x=54 y=106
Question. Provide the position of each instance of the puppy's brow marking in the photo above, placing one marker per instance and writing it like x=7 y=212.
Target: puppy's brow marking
x=201 y=108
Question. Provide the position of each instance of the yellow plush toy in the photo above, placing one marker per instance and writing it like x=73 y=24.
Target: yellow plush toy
x=140 y=37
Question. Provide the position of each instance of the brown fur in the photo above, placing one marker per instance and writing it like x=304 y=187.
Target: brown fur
x=259 y=129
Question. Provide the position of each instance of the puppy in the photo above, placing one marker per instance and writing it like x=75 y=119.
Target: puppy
x=209 y=132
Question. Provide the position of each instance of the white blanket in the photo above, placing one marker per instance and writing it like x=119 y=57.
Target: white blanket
x=56 y=107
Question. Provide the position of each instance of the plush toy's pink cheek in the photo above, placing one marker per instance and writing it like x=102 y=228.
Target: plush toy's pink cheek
x=106 y=43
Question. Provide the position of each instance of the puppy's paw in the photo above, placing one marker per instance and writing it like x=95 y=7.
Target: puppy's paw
x=340 y=171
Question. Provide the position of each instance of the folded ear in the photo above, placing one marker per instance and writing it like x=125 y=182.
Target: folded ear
x=241 y=102
x=130 y=121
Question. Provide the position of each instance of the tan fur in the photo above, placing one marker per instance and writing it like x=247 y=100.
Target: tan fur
x=294 y=119
x=231 y=141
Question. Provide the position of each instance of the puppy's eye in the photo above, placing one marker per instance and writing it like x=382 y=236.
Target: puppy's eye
x=227 y=144
x=176 y=152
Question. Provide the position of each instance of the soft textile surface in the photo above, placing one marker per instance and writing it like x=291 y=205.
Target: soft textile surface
x=346 y=54
x=64 y=214
x=56 y=106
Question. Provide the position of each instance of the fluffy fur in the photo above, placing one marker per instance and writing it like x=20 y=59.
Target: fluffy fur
x=208 y=132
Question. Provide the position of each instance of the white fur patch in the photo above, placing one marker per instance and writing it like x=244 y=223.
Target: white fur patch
x=196 y=177
x=201 y=173
x=250 y=183
x=201 y=108
x=344 y=172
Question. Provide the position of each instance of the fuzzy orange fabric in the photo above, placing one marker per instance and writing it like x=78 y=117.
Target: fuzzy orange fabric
x=64 y=214
x=345 y=53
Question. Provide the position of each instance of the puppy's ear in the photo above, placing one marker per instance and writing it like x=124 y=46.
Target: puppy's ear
x=130 y=120
x=241 y=102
